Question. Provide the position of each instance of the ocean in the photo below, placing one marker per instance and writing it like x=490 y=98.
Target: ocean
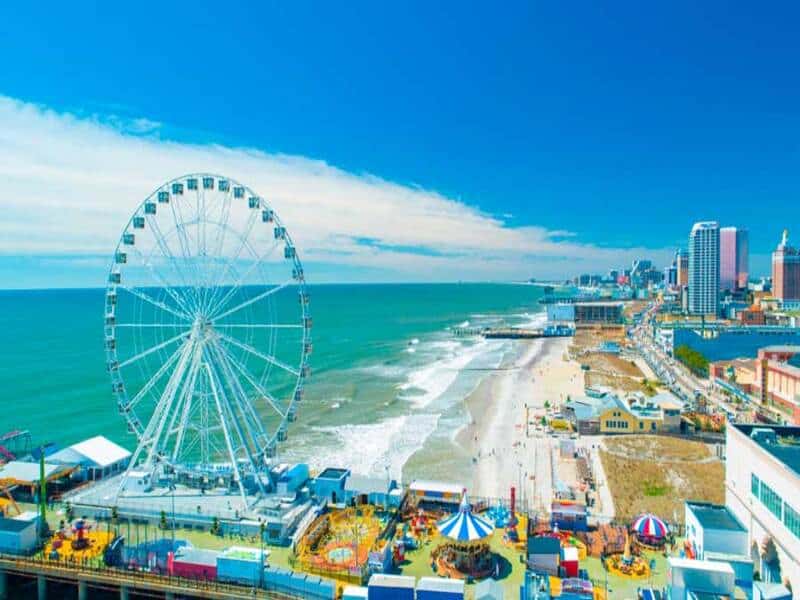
x=387 y=392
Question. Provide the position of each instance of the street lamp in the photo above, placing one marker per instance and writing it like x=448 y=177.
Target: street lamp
x=261 y=556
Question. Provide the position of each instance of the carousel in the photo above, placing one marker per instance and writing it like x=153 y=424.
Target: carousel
x=650 y=531
x=466 y=553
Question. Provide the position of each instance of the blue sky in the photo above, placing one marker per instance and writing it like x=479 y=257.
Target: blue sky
x=603 y=130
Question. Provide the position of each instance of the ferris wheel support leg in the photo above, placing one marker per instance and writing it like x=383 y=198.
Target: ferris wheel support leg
x=187 y=404
x=167 y=400
x=148 y=440
x=248 y=439
x=252 y=424
x=226 y=433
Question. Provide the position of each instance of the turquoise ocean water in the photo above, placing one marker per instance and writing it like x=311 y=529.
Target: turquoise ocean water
x=387 y=390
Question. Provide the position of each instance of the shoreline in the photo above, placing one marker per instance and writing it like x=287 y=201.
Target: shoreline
x=503 y=454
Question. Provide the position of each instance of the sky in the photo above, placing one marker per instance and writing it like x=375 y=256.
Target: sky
x=405 y=141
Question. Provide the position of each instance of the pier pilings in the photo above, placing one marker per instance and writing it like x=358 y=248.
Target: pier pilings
x=41 y=587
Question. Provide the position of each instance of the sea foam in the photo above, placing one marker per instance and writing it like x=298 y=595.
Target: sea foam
x=369 y=449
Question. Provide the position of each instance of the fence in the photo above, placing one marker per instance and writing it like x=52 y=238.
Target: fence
x=103 y=575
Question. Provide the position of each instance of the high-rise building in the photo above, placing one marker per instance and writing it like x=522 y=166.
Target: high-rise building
x=671 y=275
x=733 y=258
x=743 y=259
x=682 y=258
x=786 y=270
x=704 y=268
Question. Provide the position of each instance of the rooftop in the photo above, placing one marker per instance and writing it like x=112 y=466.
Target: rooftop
x=395 y=581
x=785 y=367
x=333 y=473
x=786 y=448
x=421 y=485
x=544 y=545
x=14 y=525
x=587 y=407
x=699 y=565
x=368 y=485
x=771 y=591
x=197 y=556
x=714 y=516
x=28 y=472
x=705 y=225
x=599 y=303
x=98 y=450
x=782 y=348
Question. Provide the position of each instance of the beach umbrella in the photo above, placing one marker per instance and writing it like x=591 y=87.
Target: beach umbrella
x=464 y=526
x=650 y=526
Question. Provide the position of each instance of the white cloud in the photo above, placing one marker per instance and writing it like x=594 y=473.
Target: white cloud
x=70 y=184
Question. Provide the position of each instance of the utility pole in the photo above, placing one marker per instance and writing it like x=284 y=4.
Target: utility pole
x=43 y=528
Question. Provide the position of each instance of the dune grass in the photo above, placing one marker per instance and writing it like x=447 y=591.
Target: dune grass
x=658 y=474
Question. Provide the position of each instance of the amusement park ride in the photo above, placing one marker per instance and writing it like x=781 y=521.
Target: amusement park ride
x=207 y=335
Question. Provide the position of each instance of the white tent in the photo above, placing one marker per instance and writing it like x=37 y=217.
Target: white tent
x=98 y=456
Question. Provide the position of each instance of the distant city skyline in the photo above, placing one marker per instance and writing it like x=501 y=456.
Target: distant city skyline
x=430 y=144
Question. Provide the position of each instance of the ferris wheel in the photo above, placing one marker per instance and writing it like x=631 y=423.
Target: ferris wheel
x=207 y=329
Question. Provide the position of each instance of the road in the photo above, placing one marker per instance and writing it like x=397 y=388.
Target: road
x=682 y=382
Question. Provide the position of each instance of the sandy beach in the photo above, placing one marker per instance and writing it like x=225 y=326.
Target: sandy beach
x=505 y=450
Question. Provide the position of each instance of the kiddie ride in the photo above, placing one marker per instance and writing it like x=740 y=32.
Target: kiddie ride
x=77 y=542
x=627 y=564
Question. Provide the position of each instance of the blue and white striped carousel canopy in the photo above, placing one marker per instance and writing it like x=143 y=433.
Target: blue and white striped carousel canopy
x=464 y=526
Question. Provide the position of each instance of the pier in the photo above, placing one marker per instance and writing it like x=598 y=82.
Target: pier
x=126 y=583
x=516 y=333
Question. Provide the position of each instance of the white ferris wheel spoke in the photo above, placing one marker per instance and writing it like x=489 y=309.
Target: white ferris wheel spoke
x=169 y=287
x=155 y=325
x=222 y=231
x=270 y=399
x=166 y=251
x=250 y=222
x=157 y=303
x=267 y=357
x=155 y=348
x=183 y=238
x=259 y=325
x=186 y=401
x=166 y=285
x=154 y=379
x=235 y=287
x=159 y=419
x=223 y=422
x=248 y=427
x=256 y=298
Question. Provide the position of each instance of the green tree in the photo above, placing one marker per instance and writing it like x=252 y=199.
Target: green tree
x=694 y=361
